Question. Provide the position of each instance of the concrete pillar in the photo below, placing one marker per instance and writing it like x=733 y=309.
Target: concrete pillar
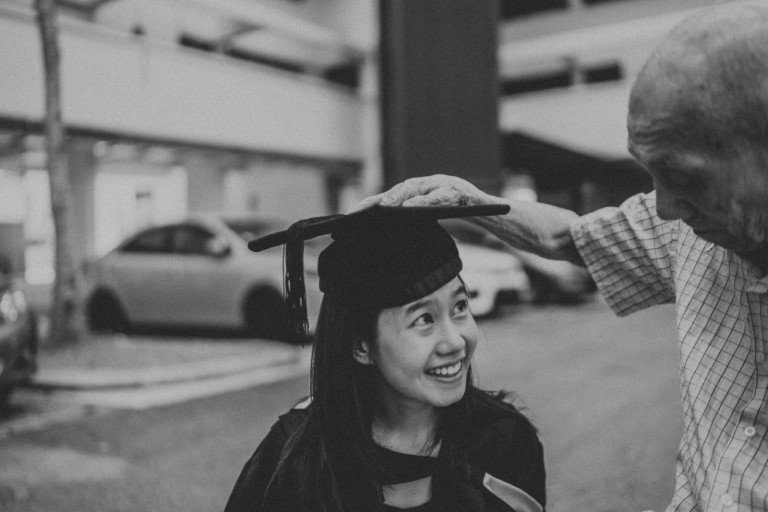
x=439 y=87
x=82 y=170
x=372 y=173
x=206 y=183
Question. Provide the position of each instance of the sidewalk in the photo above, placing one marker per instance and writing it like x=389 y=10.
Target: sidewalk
x=110 y=361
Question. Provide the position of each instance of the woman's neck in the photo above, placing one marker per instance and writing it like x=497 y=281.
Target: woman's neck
x=406 y=429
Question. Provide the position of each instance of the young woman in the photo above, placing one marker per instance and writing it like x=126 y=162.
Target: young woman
x=394 y=421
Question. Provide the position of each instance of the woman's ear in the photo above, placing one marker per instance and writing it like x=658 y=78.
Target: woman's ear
x=362 y=352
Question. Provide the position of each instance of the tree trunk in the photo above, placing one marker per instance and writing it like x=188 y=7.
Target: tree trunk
x=66 y=318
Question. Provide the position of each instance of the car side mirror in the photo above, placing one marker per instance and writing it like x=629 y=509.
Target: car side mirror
x=218 y=247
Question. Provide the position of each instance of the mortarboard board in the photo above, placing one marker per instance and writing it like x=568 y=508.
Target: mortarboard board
x=380 y=257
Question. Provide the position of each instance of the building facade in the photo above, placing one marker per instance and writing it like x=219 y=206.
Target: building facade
x=176 y=106
x=272 y=107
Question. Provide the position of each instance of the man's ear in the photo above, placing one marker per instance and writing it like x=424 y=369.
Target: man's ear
x=362 y=352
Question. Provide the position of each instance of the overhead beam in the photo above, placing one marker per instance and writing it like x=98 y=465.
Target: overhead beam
x=227 y=40
x=87 y=7
x=262 y=15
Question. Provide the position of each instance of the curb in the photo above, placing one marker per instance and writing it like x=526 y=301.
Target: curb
x=73 y=378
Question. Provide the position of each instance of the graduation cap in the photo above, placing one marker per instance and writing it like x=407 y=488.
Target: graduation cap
x=380 y=257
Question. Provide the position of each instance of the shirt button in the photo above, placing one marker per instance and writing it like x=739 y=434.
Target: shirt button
x=750 y=431
x=726 y=500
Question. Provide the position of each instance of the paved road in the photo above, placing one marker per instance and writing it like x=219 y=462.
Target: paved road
x=602 y=390
x=604 y=393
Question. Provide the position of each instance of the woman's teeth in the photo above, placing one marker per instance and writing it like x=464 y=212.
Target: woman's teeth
x=446 y=371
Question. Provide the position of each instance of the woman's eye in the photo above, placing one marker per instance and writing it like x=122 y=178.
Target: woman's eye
x=424 y=319
x=462 y=306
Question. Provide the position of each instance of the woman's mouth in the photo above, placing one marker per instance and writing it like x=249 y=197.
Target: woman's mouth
x=446 y=371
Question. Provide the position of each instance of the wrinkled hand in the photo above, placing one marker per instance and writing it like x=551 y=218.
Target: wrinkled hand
x=435 y=190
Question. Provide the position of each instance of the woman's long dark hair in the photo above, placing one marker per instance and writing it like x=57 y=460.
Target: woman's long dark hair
x=330 y=463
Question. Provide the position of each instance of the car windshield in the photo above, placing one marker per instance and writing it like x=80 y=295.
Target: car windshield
x=462 y=231
x=250 y=229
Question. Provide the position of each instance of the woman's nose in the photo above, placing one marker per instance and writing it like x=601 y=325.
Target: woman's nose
x=451 y=340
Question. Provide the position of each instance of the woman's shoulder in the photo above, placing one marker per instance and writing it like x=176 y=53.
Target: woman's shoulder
x=500 y=432
x=251 y=487
x=268 y=453
x=505 y=444
x=492 y=407
x=290 y=421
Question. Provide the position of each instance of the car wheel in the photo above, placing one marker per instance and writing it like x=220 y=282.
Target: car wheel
x=105 y=313
x=26 y=362
x=265 y=314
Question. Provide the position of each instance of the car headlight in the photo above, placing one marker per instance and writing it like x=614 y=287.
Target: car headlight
x=20 y=300
x=12 y=306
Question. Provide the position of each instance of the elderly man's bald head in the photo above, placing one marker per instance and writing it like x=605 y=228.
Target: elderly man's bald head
x=698 y=122
x=711 y=74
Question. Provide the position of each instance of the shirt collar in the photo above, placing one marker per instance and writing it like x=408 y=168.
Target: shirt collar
x=759 y=286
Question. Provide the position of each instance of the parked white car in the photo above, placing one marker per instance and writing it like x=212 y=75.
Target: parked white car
x=492 y=278
x=198 y=272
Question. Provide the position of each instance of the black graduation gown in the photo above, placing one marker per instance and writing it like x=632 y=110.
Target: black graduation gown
x=504 y=455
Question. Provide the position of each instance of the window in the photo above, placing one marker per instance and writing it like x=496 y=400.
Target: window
x=153 y=241
x=593 y=2
x=605 y=73
x=610 y=72
x=510 y=9
x=542 y=82
x=347 y=74
x=190 y=240
x=250 y=229
x=191 y=41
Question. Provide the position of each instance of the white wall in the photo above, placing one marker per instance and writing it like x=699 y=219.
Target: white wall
x=113 y=81
x=129 y=199
x=590 y=119
x=12 y=201
x=278 y=189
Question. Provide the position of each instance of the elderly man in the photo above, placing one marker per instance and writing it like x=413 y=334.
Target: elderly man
x=698 y=122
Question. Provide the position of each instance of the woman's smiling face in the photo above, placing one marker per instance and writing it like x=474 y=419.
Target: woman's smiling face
x=423 y=349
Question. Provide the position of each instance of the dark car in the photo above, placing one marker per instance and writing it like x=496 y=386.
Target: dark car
x=18 y=336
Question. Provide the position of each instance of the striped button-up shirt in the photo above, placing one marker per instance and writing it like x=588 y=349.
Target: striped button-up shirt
x=639 y=260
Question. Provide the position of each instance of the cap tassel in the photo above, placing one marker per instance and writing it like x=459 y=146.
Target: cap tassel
x=294 y=289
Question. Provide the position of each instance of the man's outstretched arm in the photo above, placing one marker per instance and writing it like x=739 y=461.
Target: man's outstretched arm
x=534 y=227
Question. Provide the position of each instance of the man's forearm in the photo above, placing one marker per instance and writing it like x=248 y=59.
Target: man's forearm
x=534 y=227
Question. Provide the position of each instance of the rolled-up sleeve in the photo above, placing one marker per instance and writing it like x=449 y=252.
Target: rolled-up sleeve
x=630 y=253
